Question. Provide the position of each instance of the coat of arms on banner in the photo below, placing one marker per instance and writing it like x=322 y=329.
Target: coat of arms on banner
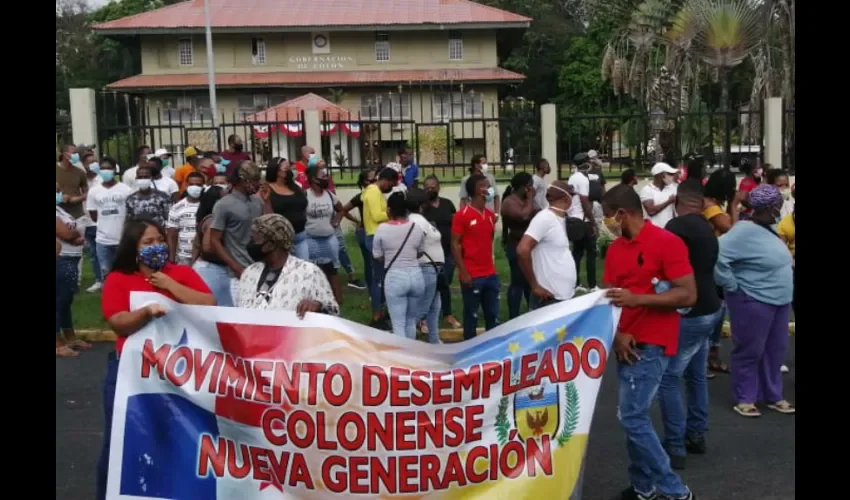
x=546 y=409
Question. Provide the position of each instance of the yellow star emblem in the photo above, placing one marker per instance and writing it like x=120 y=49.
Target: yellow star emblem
x=562 y=332
x=578 y=341
x=537 y=336
x=513 y=347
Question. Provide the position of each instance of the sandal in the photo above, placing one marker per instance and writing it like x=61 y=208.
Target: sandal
x=710 y=375
x=66 y=352
x=717 y=366
x=423 y=327
x=78 y=344
x=782 y=407
x=747 y=410
x=453 y=322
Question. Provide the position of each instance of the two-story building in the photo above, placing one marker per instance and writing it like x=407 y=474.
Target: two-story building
x=403 y=63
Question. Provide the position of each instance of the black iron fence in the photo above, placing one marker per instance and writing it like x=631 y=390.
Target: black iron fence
x=444 y=127
x=789 y=134
x=64 y=133
x=639 y=140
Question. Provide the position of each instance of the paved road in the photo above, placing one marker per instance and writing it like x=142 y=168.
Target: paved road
x=750 y=459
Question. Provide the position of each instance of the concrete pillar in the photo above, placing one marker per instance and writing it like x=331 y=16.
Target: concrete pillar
x=549 y=138
x=83 y=116
x=313 y=131
x=773 y=115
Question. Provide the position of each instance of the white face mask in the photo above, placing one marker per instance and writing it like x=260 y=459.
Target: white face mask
x=485 y=168
x=194 y=191
x=144 y=184
x=312 y=155
x=668 y=179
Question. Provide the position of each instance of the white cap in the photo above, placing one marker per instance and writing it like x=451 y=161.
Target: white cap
x=662 y=168
x=395 y=166
x=161 y=152
x=150 y=156
x=592 y=154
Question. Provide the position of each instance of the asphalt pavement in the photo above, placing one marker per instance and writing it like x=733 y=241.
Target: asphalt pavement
x=750 y=459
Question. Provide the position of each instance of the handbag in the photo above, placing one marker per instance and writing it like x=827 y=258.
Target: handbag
x=576 y=229
x=404 y=242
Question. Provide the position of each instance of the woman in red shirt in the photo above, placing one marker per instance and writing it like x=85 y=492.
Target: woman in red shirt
x=748 y=183
x=141 y=265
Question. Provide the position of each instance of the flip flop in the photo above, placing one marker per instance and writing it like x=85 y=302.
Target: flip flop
x=66 y=352
x=747 y=410
x=78 y=344
x=782 y=407
x=717 y=366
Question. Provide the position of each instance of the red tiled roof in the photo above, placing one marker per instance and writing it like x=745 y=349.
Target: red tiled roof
x=291 y=110
x=318 y=14
x=306 y=79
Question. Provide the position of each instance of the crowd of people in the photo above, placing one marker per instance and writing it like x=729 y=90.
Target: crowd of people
x=686 y=250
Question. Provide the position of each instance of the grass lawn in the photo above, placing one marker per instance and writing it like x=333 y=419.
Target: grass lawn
x=87 y=315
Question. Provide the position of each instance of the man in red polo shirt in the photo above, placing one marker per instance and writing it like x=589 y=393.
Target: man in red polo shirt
x=650 y=276
x=473 y=229
x=235 y=153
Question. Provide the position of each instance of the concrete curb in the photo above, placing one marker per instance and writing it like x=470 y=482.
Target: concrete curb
x=447 y=334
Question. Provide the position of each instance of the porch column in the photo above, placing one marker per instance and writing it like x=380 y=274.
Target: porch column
x=83 y=116
x=549 y=138
x=313 y=132
x=773 y=131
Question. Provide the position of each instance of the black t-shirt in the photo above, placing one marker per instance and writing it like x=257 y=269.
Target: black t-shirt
x=703 y=249
x=441 y=216
x=292 y=206
x=357 y=203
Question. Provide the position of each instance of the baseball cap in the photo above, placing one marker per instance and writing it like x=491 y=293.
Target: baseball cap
x=662 y=168
x=161 y=152
x=580 y=158
x=592 y=154
x=190 y=152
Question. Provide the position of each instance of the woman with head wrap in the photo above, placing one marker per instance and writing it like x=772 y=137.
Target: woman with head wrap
x=754 y=269
x=278 y=280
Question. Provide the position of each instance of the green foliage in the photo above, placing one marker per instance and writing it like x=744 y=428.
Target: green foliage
x=122 y=148
x=571 y=414
x=502 y=425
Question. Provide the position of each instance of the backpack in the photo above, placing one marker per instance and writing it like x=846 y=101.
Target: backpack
x=595 y=193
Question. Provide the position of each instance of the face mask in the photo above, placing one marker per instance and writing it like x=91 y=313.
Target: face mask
x=491 y=193
x=322 y=183
x=154 y=256
x=238 y=147
x=143 y=184
x=165 y=162
x=94 y=168
x=194 y=191
x=668 y=179
x=225 y=162
x=224 y=187
x=251 y=189
x=59 y=197
x=107 y=175
x=613 y=226
x=256 y=252
x=75 y=158
x=557 y=209
x=288 y=176
x=786 y=194
x=432 y=195
x=220 y=169
x=485 y=168
x=311 y=156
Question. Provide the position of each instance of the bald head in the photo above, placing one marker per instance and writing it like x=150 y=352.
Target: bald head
x=306 y=151
x=689 y=198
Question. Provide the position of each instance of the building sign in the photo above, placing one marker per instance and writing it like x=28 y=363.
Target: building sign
x=321 y=63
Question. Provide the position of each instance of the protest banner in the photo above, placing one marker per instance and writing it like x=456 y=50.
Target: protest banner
x=228 y=403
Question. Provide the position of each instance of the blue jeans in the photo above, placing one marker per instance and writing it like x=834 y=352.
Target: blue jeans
x=106 y=257
x=483 y=292
x=718 y=328
x=66 y=287
x=375 y=291
x=216 y=277
x=91 y=247
x=689 y=362
x=518 y=287
x=445 y=285
x=299 y=247
x=638 y=383
x=431 y=303
x=108 y=405
x=360 y=234
x=405 y=287
x=344 y=259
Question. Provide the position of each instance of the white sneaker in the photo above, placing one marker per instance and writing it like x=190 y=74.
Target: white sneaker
x=95 y=288
x=783 y=369
x=581 y=289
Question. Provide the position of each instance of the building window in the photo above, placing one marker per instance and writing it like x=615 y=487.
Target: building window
x=258 y=51
x=184 y=52
x=250 y=104
x=385 y=106
x=179 y=110
x=458 y=105
x=455 y=46
x=382 y=47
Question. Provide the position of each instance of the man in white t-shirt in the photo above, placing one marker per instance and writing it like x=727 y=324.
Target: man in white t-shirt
x=108 y=208
x=659 y=196
x=581 y=225
x=165 y=157
x=544 y=250
x=129 y=177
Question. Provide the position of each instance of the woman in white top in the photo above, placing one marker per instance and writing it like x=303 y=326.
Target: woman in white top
x=278 y=280
x=66 y=280
x=431 y=263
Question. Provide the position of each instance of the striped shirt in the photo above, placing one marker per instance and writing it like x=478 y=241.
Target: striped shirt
x=182 y=218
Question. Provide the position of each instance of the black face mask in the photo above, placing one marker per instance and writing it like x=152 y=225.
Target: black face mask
x=238 y=147
x=322 y=183
x=288 y=176
x=432 y=195
x=256 y=252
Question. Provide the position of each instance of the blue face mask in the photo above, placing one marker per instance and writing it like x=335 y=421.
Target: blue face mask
x=107 y=175
x=154 y=256
x=220 y=168
x=59 y=197
x=75 y=158
x=94 y=168
x=225 y=162
x=491 y=193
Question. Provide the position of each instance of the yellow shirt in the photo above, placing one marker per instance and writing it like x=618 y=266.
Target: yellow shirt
x=712 y=212
x=374 y=208
x=787 y=230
